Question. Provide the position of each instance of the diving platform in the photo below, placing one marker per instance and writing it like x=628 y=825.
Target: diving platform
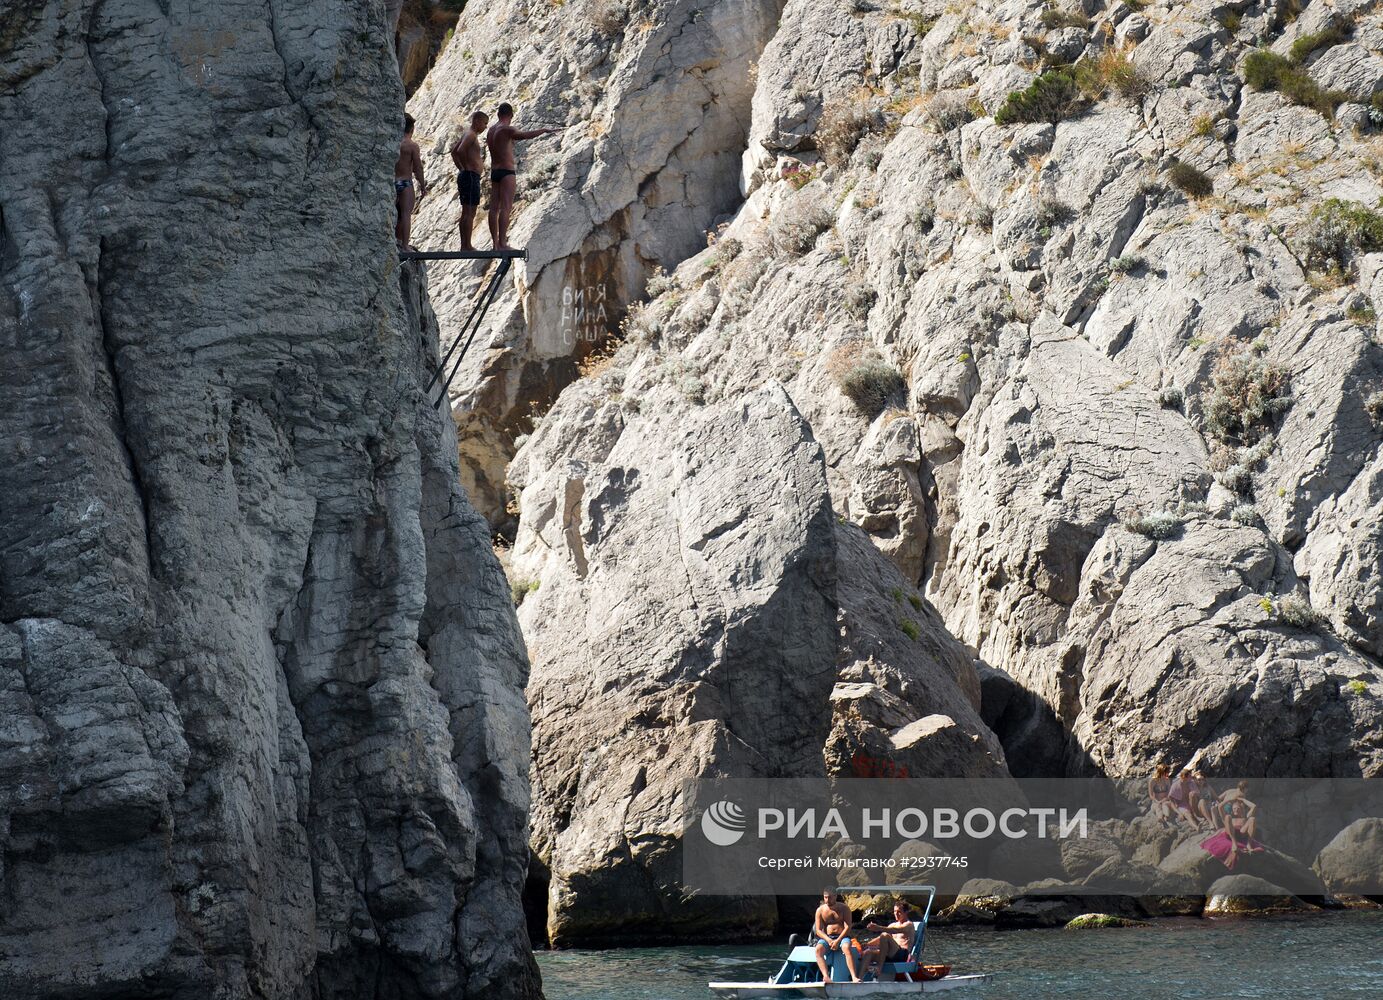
x=463 y=254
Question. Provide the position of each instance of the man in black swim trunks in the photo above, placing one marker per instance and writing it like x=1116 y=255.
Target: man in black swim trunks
x=470 y=160
x=503 y=180
x=893 y=944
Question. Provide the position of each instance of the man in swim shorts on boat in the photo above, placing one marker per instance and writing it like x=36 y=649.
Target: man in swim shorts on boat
x=469 y=158
x=503 y=178
x=832 y=931
x=893 y=944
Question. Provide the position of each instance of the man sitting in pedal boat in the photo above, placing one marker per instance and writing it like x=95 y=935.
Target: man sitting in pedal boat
x=832 y=931
x=894 y=944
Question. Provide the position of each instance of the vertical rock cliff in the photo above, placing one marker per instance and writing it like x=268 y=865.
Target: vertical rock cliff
x=262 y=731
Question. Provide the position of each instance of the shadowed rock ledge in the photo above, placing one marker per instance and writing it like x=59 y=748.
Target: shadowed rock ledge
x=262 y=731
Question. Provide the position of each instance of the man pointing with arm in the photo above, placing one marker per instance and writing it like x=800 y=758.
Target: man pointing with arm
x=503 y=177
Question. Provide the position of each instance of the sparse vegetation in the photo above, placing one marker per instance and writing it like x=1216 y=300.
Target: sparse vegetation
x=1127 y=264
x=520 y=588
x=1244 y=514
x=1266 y=70
x=915 y=601
x=1236 y=478
x=608 y=16
x=859 y=299
x=1363 y=313
x=910 y=629
x=1373 y=405
x=795 y=230
x=872 y=384
x=1203 y=127
x=1357 y=687
x=1247 y=392
x=844 y=122
x=1189 y=180
x=1054 y=18
x=660 y=282
x=1052 y=97
x=1298 y=612
x=950 y=109
x=1170 y=397
x=1111 y=72
x=1303 y=48
x=1158 y=525
x=1338 y=230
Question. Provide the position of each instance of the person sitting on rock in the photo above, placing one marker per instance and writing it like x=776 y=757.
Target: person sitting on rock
x=1182 y=795
x=1241 y=818
x=1206 y=799
x=469 y=158
x=406 y=167
x=503 y=175
x=831 y=929
x=1160 y=806
x=894 y=942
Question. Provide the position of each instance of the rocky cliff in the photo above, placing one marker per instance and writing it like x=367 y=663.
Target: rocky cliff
x=1061 y=316
x=263 y=730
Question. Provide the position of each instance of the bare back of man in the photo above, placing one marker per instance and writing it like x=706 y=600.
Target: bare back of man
x=503 y=171
x=469 y=158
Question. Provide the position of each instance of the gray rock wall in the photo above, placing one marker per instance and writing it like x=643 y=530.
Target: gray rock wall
x=1027 y=353
x=262 y=730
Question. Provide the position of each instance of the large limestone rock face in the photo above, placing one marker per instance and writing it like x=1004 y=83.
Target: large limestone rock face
x=1068 y=458
x=691 y=607
x=682 y=628
x=655 y=97
x=261 y=724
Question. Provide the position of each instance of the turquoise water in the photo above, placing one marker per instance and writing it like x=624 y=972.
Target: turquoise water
x=1331 y=955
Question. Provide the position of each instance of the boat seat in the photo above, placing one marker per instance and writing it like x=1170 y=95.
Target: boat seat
x=892 y=969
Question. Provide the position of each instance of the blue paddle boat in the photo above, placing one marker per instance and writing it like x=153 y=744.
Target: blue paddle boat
x=801 y=977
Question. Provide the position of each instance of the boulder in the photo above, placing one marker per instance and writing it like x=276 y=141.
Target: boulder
x=1352 y=863
x=1101 y=921
x=1189 y=860
x=1248 y=896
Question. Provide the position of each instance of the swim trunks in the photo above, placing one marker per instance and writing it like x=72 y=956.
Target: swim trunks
x=468 y=187
x=402 y=184
x=499 y=173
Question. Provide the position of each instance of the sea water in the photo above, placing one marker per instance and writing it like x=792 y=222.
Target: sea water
x=1328 y=955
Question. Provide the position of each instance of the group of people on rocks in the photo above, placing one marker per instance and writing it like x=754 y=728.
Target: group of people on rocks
x=831 y=933
x=468 y=153
x=1190 y=801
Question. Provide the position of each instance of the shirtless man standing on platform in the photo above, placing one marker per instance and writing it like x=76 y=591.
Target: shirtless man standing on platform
x=503 y=179
x=470 y=160
x=406 y=167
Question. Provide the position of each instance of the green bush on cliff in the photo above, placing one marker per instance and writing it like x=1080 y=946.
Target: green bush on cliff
x=1052 y=97
x=1247 y=393
x=1304 y=46
x=1265 y=70
x=1159 y=525
x=1338 y=230
x=1189 y=180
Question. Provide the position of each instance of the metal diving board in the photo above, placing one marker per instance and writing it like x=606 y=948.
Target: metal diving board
x=463 y=254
